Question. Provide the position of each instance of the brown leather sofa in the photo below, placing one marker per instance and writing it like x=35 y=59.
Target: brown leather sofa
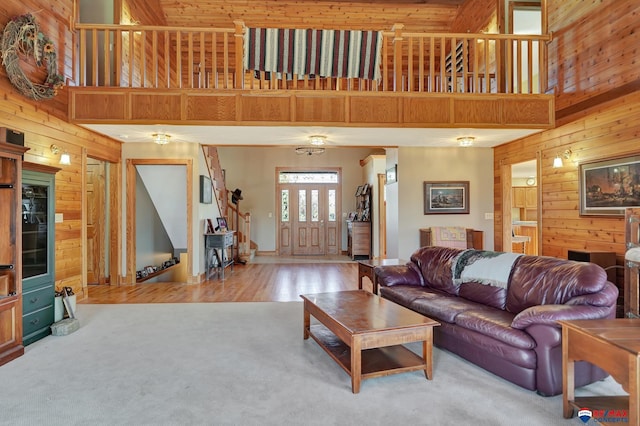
x=505 y=321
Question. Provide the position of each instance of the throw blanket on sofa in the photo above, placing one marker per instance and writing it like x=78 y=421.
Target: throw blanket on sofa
x=485 y=267
x=449 y=236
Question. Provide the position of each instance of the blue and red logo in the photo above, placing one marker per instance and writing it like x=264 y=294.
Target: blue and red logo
x=604 y=416
x=585 y=414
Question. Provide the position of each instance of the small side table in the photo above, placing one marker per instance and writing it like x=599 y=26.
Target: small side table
x=366 y=267
x=215 y=247
x=614 y=346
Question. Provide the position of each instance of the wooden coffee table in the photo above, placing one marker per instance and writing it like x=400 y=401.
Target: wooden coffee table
x=365 y=334
x=614 y=346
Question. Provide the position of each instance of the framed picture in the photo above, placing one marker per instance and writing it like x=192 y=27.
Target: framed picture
x=206 y=192
x=392 y=174
x=222 y=224
x=608 y=187
x=446 y=197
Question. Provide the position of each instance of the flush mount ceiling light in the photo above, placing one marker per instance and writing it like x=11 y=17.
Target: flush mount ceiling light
x=65 y=158
x=557 y=162
x=161 y=138
x=317 y=140
x=466 y=141
x=309 y=150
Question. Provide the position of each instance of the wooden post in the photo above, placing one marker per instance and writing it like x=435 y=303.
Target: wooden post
x=239 y=38
x=397 y=57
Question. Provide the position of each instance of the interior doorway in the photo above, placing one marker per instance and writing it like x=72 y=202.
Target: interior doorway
x=382 y=215
x=523 y=209
x=132 y=213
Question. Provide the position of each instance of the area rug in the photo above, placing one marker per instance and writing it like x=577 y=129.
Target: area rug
x=240 y=364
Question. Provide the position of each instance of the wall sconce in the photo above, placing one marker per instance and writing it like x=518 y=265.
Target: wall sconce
x=65 y=158
x=161 y=138
x=466 y=141
x=557 y=162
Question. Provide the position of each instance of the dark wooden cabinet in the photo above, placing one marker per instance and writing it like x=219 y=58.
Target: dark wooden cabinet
x=359 y=225
x=38 y=262
x=359 y=239
x=11 y=345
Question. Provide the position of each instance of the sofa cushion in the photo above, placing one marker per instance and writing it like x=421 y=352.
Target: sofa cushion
x=538 y=280
x=442 y=306
x=404 y=294
x=495 y=297
x=436 y=266
x=525 y=358
x=496 y=324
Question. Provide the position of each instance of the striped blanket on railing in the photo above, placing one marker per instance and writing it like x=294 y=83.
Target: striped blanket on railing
x=325 y=53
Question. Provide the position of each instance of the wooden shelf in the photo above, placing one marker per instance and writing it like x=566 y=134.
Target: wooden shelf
x=155 y=274
x=376 y=362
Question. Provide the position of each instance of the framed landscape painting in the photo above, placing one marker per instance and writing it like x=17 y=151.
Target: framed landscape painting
x=446 y=197
x=608 y=187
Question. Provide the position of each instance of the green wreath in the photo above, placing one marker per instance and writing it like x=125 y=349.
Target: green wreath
x=21 y=36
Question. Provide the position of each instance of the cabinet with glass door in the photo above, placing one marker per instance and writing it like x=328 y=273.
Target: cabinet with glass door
x=37 y=253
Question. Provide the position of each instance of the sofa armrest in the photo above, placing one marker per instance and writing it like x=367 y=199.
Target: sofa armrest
x=550 y=314
x=398 y=274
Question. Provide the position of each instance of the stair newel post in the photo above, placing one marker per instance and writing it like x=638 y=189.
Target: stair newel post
x=236 y=196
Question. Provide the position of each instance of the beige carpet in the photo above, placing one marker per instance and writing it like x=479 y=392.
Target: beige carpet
x=239 y=364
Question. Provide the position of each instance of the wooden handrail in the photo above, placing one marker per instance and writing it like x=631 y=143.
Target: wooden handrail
x=147 y=56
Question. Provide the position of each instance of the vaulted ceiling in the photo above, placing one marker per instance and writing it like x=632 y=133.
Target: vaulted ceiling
x=416 y=15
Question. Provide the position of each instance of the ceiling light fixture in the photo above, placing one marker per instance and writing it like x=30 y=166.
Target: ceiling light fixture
x=317 y=140
x=309 y=150
x=466 y=141
x=557 y=161
x=161 y=138
x=65 y=158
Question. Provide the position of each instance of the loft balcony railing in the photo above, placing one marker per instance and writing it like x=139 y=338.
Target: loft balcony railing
x=126 y=56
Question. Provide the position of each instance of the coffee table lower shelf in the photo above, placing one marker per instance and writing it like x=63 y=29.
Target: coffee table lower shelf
x=376 y=362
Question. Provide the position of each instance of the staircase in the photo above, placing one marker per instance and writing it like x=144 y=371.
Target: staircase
x=236 y=220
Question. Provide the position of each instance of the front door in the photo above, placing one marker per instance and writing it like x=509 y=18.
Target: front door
x=308 y=219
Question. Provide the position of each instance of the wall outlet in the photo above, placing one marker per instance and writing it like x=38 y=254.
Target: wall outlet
x=59 y=218
x=488 y=216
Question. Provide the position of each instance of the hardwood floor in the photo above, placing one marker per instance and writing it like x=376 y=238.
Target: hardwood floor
x=254 y=282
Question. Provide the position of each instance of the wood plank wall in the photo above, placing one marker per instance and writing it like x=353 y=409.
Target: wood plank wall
x=44 y=123
x=148 y=12
x=53 y=20
x=592 y=52
x=476 y=16
x=600 y=126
